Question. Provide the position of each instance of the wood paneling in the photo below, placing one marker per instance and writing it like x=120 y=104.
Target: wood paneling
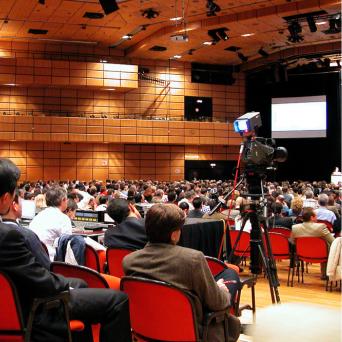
x=111 y=130
x=54 y=160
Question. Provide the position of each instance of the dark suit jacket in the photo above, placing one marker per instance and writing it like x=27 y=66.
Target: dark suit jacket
x=31 y=280
x=280 y=221
x=185 y=268
x=130 y=234
x=33 y=243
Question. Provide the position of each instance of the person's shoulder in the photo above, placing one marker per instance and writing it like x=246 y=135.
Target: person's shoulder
x=9 y=233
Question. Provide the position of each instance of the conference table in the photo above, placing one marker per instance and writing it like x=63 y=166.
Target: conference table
x=204 y=235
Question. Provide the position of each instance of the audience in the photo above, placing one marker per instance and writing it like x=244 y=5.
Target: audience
x=197 y=211
x=323 y=213
x=279 y=220
x=129 y=231
x=104 y=306
x=162 y=259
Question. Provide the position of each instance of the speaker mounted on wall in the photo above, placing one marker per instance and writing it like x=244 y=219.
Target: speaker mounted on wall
x=109 y=6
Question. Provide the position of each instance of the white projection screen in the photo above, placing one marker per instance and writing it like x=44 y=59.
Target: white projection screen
x=299 y=117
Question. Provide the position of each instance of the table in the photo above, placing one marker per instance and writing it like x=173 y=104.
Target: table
x=204 y=235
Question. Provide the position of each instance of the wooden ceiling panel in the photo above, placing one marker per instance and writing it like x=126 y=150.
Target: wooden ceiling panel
x=64 y=20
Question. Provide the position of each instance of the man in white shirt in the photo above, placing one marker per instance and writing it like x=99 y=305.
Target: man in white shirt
x=51 y=223
x=323 y=213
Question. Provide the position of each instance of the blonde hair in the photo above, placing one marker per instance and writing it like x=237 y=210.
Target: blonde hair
x=297 y=205
x=40 y=201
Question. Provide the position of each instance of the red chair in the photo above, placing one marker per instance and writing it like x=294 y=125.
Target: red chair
x=92 y=259
x=242 y=249
x=281 y=251
x=216 y=267
x=114 y=258
x=12 y=326
x=281 y=230
x=92 y=278
x=328 y=224
x=162 y=312
x=312 y=250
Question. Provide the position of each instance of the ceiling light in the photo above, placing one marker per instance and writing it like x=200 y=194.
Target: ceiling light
x=127 y=36
x=263 y=53
x=109 y=89
x=222 y=33
x=242 y=57
x=212 y=8
x=321 y=23
x=334 y=25
x=150 y=13
x=103 y=61
x=176 y=18
x=247 y=34
x=207 y=43
x=177 y=56
x=311 y=23
x=109 y=6
x=217 y=34
x=295 y=29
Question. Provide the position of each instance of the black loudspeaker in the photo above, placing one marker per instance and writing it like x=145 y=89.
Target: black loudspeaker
x=212 y=74
x=109 y=6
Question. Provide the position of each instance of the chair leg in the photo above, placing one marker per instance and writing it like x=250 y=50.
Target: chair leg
x=302 y=267
x=253 y=302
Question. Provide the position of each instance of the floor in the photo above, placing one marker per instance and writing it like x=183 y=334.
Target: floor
x=312 y=291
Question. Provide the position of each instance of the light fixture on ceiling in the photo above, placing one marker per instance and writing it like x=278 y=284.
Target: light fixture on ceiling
x=127 y=36
x=321 y=23
x=217 y=34
x=150 y=13
x=312 y=23
x=177 y=56
x=334 y=25
x=263 y=53
x=242 y=57
x=109 y=6
x=213 y=8
x=222 y=33
x=295 y=29
x=247 y=34
x=176 y=19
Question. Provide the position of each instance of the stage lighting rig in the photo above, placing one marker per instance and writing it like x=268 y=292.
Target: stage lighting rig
x=213 y=8
x=295 y=29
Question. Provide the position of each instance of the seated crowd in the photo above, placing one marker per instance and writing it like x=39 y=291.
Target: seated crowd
x=296 y=205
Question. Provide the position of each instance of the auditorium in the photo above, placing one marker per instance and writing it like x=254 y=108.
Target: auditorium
x=170 y=171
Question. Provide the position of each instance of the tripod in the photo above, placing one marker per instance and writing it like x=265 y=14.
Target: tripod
x=260 y=254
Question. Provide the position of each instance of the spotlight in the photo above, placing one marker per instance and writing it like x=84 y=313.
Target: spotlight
x=213 y=35
x=311 y=23
x=295 y=29
x=212 y=8
x=242 y=57
x=222 y=33
x=217 y=34
x=127 y=36
x=263 y=53
x=334 y=25
x=109 y=6
x=150 y=13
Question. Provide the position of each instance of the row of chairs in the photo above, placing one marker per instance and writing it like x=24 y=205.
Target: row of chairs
x=307 y=249
x=154 y=305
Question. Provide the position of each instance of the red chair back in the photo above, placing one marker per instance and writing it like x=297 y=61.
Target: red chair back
x=242 y=248
x=114 y=260
x=91 y=277
x=11 y=322
x=327 y=223
x=280 y=246
x=160 y=311
x=92 y=259
x=216 y=266
x=281 y=230
x=312 y=249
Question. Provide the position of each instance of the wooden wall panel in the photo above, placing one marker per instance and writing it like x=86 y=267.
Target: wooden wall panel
x=83 y=161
